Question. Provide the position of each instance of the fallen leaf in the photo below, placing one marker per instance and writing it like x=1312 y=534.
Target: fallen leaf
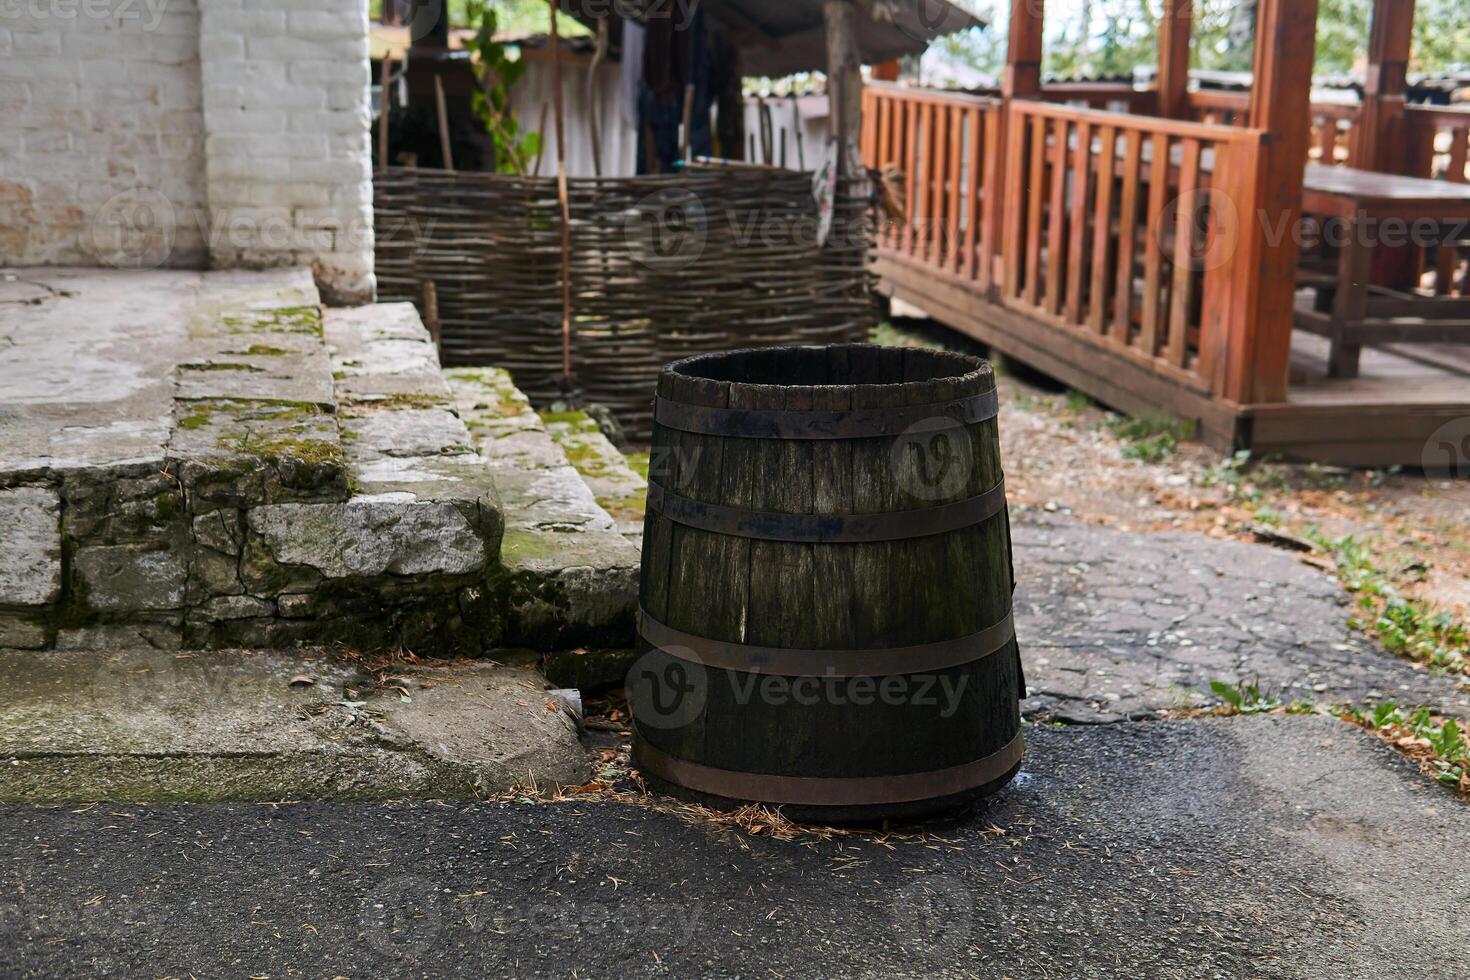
x=302 y=680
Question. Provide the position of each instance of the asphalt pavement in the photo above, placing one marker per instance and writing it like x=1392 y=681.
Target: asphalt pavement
x=1259 y=846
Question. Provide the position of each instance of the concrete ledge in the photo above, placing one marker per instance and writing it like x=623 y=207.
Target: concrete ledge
x=147 y=725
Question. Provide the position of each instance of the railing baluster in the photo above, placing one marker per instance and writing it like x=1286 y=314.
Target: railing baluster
x=1077 y=240
x=1184 y=246
x=1057 y=223
x=1122 y=330
x=1153 y=256
x=933 y=177
x=1102 y=230
x=956 y=125
x=1449 y=256
x=991 y=215
x=910 y=173
x=1035 y=195
x=975 y=149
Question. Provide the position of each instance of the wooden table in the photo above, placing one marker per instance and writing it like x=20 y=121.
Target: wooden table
x=1352 y=309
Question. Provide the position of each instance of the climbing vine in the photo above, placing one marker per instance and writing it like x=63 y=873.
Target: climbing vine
x=516 y=149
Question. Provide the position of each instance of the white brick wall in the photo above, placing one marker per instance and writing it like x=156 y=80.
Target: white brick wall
x=188 y=132
x=101 y=134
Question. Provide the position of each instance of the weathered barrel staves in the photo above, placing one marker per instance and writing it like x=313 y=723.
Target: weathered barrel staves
x=826 y=588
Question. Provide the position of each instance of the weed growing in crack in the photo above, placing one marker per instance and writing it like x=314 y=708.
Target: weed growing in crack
x=1404 y=626
x=1438 y=745
x=1243 y=698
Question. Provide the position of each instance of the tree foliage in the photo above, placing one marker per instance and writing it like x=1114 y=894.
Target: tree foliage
x=1111 y=37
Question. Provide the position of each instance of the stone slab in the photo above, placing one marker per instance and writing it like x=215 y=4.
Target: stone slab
x=85 y=366
x=30 y=546
x=570 y=577
x=94 y=723
x=373 y=534
x=615 y=486
x=88 y=359
x=405 y=432
x=129 y=578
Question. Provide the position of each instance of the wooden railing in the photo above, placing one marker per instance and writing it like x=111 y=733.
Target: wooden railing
x=1122 y=228
x=1443 y=136
x=943 y=148
x=1439 y=141
x=1107 y=96
x=1332 y=122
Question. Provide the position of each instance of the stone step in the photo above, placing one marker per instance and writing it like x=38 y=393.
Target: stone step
x=570 y=577
x=615 y=485
x=203 y=460
x=407 y=557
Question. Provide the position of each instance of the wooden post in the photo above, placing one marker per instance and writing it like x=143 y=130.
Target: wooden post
x=1021 y=80
x=442 y=111
x=1175 y=30
x=1380 y=140
x=1258 y=348
x=844 y=83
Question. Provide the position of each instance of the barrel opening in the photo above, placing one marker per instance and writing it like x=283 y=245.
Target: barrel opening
x=851 y=364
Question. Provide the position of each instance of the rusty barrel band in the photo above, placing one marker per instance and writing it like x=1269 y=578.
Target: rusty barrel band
x=826 y=528
x=855 y=423
x=827 y=790
x=788 y=662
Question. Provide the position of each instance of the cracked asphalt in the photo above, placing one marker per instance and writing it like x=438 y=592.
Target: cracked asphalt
x=1118 y=625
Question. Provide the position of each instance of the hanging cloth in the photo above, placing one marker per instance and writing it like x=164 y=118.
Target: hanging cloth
x=630 y=70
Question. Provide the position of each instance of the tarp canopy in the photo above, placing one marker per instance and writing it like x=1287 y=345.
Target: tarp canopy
x=783 y=37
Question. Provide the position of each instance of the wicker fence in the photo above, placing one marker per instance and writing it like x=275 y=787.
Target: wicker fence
x=661 y=267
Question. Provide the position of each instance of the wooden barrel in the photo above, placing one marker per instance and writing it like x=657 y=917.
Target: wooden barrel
x=826 y=583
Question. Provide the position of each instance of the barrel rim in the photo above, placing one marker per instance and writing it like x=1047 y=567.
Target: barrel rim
x=977 y=370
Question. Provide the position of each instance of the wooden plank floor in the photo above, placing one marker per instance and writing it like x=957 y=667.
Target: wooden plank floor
x=1387 y=376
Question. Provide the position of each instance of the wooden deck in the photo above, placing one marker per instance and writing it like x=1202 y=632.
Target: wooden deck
x=1384 y=417
x=1041 y=229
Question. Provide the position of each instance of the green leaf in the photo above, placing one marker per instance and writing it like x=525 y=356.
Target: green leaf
x=1228 y=693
